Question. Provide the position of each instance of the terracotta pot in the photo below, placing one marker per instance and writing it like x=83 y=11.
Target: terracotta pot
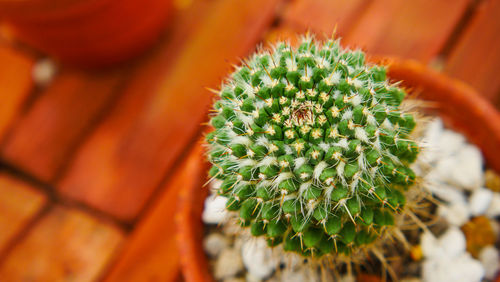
x=461 y=108
x=87 y=32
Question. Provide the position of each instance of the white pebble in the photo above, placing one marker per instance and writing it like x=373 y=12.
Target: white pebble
x=258 y=258
x=490 y=259
x=479 y=201
x=468 y=171
x=455 y=214
x=433 y=131
x=43 y=72
x=459 y=269
x=452 y=242
x=214 y=244
x=228 y=264
x=446 y=258
x=494 y=207
x=215 y=209
x=463 y=168
x=444 y=169
x=450 y=143
x=430 y=245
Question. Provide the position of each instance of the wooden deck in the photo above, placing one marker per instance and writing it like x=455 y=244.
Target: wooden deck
x=89 y=162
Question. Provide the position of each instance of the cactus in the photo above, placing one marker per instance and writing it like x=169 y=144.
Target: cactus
x=312 y=147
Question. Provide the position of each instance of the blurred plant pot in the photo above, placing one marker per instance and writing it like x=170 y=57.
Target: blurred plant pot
x=461 y=108
x=87 y=32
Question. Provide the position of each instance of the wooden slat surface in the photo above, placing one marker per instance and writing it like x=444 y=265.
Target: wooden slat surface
x=106 y=149
x=118 y=169
x=476 y=56
x=151 y=253
x=16 y=83
x=44 y=138
x=322 y=16
x=65 y=245
x=416 y=29
x=19 y=204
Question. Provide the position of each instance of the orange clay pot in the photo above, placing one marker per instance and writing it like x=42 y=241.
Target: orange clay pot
x=87 y=32
x=460 y=106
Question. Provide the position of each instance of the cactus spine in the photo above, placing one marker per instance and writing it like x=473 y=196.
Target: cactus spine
x=312 y=147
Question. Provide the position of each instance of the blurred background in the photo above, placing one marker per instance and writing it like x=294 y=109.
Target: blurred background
x=102 y=100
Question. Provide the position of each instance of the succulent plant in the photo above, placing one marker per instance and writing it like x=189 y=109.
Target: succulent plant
x=312 y=147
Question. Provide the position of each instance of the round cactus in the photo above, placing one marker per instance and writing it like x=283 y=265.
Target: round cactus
x=312 y=147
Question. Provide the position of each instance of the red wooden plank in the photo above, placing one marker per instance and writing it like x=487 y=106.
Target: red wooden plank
x=15 y=83
x=322 y=16
x=476 y=57
x=416 y=29
x=105 y=150
x=19 y=204
x=119 y=167
x=151 y=253
x=65 y=245
x=47 y=134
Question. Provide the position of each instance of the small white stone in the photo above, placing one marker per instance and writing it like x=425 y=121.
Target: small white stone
x=468 y=171
x=463 y=168
x=228 y=264
x=430 y=245
x=258 y=258
x=452 y=242
x=490 y=259
x=43 y=71
x=444 y=169
x=459 y=269
x=215 y=209
x=494 y=207
x=471 y=269
x=433 y=132
x=450 y=142
x=455 y=214
x=214 y=244
x=479 y=201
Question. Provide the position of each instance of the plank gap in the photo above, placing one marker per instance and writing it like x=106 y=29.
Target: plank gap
x=459 y=29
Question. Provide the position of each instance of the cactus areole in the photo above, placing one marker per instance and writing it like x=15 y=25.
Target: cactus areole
x=312 y=147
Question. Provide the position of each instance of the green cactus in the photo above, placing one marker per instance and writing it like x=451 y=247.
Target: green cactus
x=312 y=147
